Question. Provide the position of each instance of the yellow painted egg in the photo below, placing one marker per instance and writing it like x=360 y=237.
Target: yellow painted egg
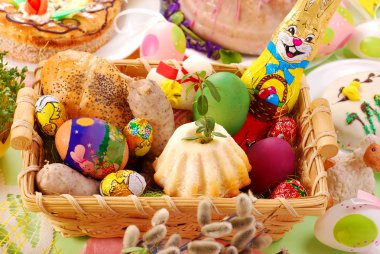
x=139 y=134
x=123 y=183
x=50 y=114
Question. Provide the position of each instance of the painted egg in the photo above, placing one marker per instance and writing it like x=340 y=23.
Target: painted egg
x=164 y=41
x=285 y=127
x=50 y=114
x=139 y=134
x=290 y=188
x=92 y=146
x=340 y=28
x=123 y=183
x=365 y=40
x=232 y=109
x=353 y=225
x=273 y=161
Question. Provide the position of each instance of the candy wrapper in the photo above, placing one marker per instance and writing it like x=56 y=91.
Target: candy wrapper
x=50 y=114
x=274 y=79
x=139 y=134
x=289 y=189
x=123 y=183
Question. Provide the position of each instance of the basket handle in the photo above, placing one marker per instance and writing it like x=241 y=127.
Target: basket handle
x=23 y=121
x=324 y=130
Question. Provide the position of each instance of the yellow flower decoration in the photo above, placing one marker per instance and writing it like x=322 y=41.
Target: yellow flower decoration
x=352 y=91
x=172 y=90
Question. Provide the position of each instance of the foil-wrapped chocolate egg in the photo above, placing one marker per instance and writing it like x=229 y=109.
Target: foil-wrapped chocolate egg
x=139 y=134
x=50 y=114
x=123 y=183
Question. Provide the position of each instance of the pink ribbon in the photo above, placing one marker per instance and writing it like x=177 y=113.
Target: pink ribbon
x=366 y=198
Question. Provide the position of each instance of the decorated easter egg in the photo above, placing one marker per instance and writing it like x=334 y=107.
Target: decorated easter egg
x=365 y=40
x=123 y=183
x=290 y=188
x=272 y=161
x=353 y=225
x=139 y=134
x=338 y=32
x=285 y=127
x=163 y=41
x=92 y=146
x=50 y=114
x=232 y=109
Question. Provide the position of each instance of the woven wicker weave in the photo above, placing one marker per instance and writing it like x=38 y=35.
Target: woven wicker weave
x=98 y=216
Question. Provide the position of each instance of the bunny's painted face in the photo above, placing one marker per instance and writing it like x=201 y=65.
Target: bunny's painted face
x=294 y=47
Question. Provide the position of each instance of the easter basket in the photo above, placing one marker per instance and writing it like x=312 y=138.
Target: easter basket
x=266 y=110
x=98 y=216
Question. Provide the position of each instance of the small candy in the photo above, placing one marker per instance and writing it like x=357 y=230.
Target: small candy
x=289 y=189
x=123 y=183
x=164 y=41
x=285 y=127
x=50 y=114
x=139 y=134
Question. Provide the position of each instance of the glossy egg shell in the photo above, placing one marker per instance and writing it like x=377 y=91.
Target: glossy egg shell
x=365 y=40
x=350 y=226
x=50 y=114
x=123 y=183
x=163 y=41
x=92 y=146
x=231 y=112
x=272 y=161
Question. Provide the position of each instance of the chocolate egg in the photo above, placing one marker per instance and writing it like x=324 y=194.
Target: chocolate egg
x=164 y=41
x=50 y=114
x=139 y=134
x=232 y=109
x=123 y=183
x=272 y=161
x=92 y=146
x=290 y=188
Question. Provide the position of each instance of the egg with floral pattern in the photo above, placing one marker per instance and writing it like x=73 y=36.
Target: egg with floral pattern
x=139 y=134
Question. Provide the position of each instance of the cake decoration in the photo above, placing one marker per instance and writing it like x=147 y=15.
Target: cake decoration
x=355 y=115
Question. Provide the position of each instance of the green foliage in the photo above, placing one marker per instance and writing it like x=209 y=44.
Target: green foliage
x=11 y=81
x=206 y=125
x=229 y=56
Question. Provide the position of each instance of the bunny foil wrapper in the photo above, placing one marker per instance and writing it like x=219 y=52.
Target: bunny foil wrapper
x=352 y=225
x=274 y=79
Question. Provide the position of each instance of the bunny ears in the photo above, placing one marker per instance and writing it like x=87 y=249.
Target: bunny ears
x=321 y=7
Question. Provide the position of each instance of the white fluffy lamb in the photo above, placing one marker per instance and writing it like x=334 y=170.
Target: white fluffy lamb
x=354 y=171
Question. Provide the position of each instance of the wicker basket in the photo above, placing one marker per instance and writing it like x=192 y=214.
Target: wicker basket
x=98 y=216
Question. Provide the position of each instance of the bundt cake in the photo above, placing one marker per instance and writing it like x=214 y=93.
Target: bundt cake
x=188 y=168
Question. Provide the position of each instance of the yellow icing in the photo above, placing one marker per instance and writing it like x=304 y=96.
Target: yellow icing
x=352 y=91
x=172 y=90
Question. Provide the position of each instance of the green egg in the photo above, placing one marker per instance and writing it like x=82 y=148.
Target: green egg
x=355 y=230
x=370 y=46
x=232 y=109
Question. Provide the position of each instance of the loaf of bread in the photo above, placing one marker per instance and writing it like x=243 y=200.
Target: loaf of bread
x=87 y=86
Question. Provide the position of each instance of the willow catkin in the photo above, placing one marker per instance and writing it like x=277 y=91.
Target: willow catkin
x=243 y=205
x=204 y=213
x=217 y=229
x=174 y=240
x=261 y=242
x=131 y=236
x=242 y=238
x=243 y=223
x=230 y=250
x=203 y=247
x=155 y=234
x=170 y=250
x=160 y=217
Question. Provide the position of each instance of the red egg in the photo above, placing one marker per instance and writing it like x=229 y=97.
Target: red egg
x=272 y=161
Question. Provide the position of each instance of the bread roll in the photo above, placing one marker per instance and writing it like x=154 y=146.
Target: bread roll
x=87 y=86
